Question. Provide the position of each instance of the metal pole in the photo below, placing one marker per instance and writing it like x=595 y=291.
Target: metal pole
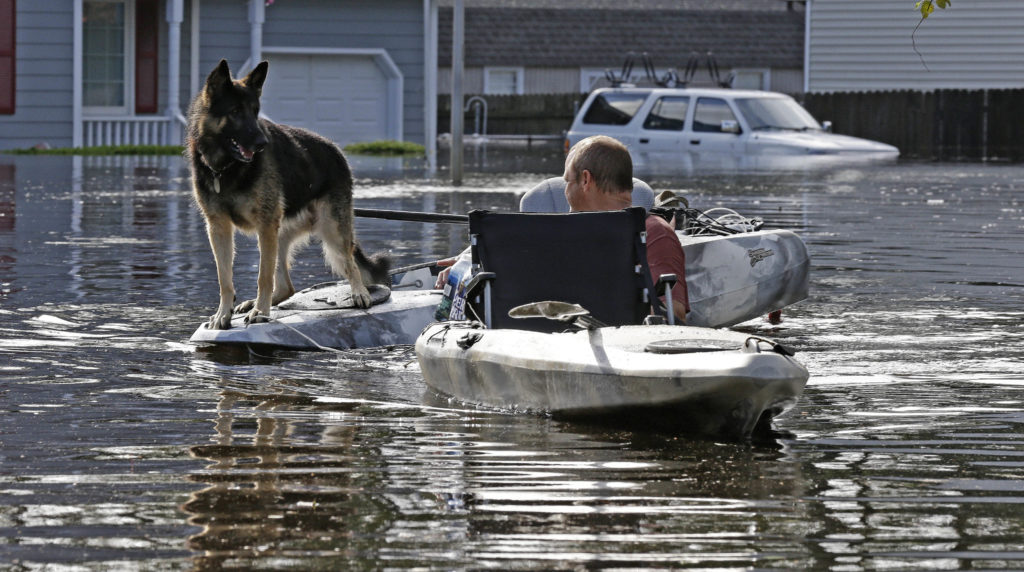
x=430 y=83
x=458 y=35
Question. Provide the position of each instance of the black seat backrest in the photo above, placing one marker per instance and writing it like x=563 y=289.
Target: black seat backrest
x=595 y=259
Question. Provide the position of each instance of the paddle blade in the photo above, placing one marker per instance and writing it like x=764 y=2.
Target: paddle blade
x=561 y=311
x=558 y=311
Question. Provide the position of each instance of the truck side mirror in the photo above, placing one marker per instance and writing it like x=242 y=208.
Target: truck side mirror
x=826 y=126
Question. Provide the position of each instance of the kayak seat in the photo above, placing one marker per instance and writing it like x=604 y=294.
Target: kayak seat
x=595 y=259
x=549 y=197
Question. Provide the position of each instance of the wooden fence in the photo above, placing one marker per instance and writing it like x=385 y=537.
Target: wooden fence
x=540 y=114
x=941 y=125
x=944 y=124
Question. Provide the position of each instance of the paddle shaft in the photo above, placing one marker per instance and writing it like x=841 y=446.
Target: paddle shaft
x=412 y=267
x=413 y=216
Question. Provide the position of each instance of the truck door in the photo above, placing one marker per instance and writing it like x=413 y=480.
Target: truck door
x=716 y=131
x=662 y=129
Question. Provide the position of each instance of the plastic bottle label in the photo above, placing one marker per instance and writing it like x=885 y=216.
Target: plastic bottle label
x=453 y=301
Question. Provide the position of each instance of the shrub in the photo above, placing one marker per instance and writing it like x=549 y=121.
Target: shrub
x=385 y=148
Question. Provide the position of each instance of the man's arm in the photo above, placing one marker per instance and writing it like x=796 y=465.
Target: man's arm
x=665 y=256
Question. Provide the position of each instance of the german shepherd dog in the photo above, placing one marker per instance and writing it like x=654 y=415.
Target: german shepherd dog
x=279 y=183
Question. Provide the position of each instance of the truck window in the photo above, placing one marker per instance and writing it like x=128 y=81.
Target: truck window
x=668 y=114
x=614 y=108
x=710 y=113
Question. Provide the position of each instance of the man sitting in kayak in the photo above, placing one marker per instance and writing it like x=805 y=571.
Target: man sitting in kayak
x=599 y=177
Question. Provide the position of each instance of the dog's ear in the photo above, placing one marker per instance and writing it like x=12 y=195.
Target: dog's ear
x=219 y=77
x=257 y=76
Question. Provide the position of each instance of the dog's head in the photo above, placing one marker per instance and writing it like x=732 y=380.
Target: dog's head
x=232 y=108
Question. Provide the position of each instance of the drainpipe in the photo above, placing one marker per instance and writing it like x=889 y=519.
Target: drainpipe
x=76 y=76
x=175 y=15
x=257 y=15
x=807 y=45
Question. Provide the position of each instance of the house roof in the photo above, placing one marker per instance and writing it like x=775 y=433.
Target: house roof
x=561 y=37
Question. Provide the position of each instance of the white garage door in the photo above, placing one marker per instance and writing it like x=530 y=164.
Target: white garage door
x=342 y=97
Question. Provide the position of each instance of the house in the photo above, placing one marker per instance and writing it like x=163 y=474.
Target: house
x=544 y=46
x=97 y=72
x=876 y=45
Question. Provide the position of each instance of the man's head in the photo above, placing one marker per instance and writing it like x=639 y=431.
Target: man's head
x=598 y=175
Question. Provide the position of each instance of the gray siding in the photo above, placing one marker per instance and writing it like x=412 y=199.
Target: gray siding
x=551 y=80
x=866 y=45
x=223 y=34
x=42 y=110
x=395 y=25
x=787 y=81
x=472 y=80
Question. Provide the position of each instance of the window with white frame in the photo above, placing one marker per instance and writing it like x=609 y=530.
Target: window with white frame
x=107 y=34
x=503 y=81
x=751 y=79
x=593 y=78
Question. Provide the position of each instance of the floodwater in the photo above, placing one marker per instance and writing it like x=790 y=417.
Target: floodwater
x=123 y=446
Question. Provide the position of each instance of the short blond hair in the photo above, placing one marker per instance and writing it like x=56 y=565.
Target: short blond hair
x=608 y=161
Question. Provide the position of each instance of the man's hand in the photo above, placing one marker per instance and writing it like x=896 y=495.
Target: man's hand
x=442 y=277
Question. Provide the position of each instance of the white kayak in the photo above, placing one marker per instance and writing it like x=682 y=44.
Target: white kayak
x=323 y=316
x=674 y=378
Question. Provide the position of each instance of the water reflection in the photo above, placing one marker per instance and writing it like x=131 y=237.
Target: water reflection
x=287 y=477
x=125 y=446
x=690 y=163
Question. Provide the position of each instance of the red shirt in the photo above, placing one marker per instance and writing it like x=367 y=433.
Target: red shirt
x=665 y=256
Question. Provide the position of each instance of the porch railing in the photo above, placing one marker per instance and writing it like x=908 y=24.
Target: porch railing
x=155 y=130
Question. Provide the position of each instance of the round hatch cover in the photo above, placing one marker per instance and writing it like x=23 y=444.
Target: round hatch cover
x=689 y=346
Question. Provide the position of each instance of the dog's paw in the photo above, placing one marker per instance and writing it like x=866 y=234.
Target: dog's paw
x=281 y=296
x=245 y=307
x=219 y=321
x=256 y=317
x=361 y=299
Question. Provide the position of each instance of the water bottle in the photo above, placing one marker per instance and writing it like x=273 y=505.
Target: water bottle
x=453 y=300
x=460 y=274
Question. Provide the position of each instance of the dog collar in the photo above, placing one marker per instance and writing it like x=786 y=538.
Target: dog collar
x=216 y=173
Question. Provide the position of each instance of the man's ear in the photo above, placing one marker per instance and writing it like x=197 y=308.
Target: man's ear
x=585 y=178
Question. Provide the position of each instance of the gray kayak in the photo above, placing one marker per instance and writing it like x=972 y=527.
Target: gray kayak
x=672 y=378
x=738 y=277
x=730 y=279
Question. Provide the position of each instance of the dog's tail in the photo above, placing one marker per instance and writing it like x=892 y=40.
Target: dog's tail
x=375 y=269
